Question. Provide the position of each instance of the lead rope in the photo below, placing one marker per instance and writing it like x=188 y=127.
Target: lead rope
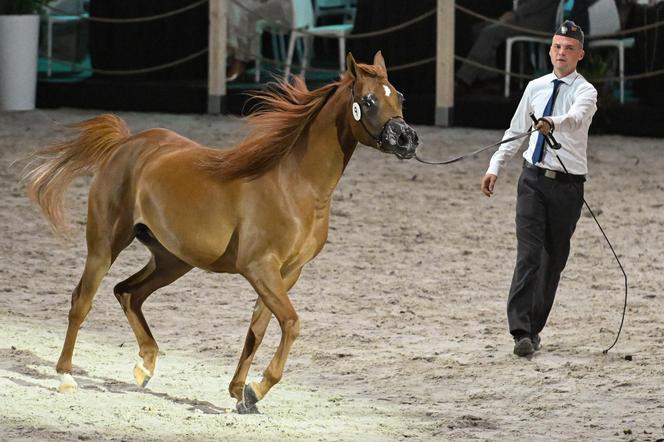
x=475 y=152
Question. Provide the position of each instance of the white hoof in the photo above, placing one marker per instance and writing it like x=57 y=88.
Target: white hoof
x=67 y=384
x=141 y=374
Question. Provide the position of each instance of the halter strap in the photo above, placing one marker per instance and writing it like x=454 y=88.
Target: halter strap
x=377 y=139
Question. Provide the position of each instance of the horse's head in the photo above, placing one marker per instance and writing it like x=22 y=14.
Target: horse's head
x=376 y=109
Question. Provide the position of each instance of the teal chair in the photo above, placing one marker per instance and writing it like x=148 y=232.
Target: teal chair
x=304 y=24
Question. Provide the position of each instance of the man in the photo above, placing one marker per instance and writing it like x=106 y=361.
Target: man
x=538 y=15
x=243 y=34
x=548 y=199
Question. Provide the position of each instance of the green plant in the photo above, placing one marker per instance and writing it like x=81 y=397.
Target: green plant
x=596 y=67
x=22 y=7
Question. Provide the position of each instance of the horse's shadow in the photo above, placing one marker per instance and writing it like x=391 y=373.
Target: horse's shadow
x=23 y=361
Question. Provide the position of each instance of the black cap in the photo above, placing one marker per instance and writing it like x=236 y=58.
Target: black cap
x=571 y=30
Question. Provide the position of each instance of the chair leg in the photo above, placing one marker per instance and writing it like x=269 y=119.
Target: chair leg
x=522 y=57
x=342 y=55
x=621 y=66
x=259 y=55
x=508 y=67
x=307 y=40
x=49 y=46
x=289 y=56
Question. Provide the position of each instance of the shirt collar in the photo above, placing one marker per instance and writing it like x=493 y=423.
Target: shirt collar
x=568 y=80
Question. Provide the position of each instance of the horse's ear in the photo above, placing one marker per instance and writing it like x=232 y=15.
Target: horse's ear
x=351 y=66
x=379 y=60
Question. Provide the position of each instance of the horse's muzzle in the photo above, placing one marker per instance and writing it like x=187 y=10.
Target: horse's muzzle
x=399 y=138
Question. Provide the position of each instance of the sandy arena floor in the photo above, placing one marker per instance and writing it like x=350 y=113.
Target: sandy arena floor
x=403 y=325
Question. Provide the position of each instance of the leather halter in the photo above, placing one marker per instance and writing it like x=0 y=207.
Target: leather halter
x=377 y=139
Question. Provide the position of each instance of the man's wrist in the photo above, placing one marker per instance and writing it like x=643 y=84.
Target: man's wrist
x=550 y=122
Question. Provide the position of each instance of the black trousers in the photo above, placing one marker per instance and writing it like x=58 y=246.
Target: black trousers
x=547 y=211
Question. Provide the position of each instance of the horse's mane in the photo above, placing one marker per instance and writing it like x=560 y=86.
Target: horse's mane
x=284 y=112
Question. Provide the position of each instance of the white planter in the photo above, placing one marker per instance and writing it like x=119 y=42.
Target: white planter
x=19 y=39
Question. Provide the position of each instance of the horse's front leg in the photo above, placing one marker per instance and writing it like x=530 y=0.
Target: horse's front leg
x=272 y=290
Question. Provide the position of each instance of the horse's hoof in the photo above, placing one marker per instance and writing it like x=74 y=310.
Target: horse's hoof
x=242 y=408
x=67 y=384
x=248 y=404
x=141 y=375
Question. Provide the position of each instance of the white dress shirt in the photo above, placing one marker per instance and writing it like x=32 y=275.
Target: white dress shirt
x=572 y=114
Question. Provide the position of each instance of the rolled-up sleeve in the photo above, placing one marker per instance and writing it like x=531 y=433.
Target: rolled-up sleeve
x=581 y=111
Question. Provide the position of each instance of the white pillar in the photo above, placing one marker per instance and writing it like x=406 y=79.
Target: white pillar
x=444 y=63
x=218 y=23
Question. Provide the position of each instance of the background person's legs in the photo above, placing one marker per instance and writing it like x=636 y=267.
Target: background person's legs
x=484 y=52
x=242 y=36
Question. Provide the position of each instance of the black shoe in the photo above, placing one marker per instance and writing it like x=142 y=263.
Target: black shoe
x=235 y=70
x=537 y=342
x=523 y=346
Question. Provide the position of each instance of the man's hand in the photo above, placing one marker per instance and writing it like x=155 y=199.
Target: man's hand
x=544 y=126
x=488 y=182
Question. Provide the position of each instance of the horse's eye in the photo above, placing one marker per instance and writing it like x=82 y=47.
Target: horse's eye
x=401 y=97
x=369 y=101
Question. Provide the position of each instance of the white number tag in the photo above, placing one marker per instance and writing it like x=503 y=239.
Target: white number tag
x=357 y=112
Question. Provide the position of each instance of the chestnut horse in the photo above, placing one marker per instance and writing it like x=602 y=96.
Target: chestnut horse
x=260 y=209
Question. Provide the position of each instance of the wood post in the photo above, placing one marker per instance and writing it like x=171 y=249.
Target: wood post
x=444 y=63
x=218 y=23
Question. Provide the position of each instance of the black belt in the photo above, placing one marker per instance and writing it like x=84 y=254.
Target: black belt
x=554 y=174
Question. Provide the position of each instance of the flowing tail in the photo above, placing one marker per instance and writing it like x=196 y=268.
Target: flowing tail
x=47 y=183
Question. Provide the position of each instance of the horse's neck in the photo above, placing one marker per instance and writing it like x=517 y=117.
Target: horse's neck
x=329 y=146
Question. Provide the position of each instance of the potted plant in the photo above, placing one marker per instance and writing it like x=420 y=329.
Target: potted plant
x=19 y=39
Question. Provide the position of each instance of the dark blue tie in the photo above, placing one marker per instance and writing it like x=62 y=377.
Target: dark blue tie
x=539 y=147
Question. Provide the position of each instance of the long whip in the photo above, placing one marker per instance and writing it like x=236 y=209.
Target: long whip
x=555 y=145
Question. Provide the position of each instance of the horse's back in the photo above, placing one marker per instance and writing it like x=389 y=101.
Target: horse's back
x=118 y=179
x=153 y=178
x=187 y=209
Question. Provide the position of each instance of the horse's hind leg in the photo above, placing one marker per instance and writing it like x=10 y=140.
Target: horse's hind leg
x=162 y=269
x=102 y=251
x=96 y=266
